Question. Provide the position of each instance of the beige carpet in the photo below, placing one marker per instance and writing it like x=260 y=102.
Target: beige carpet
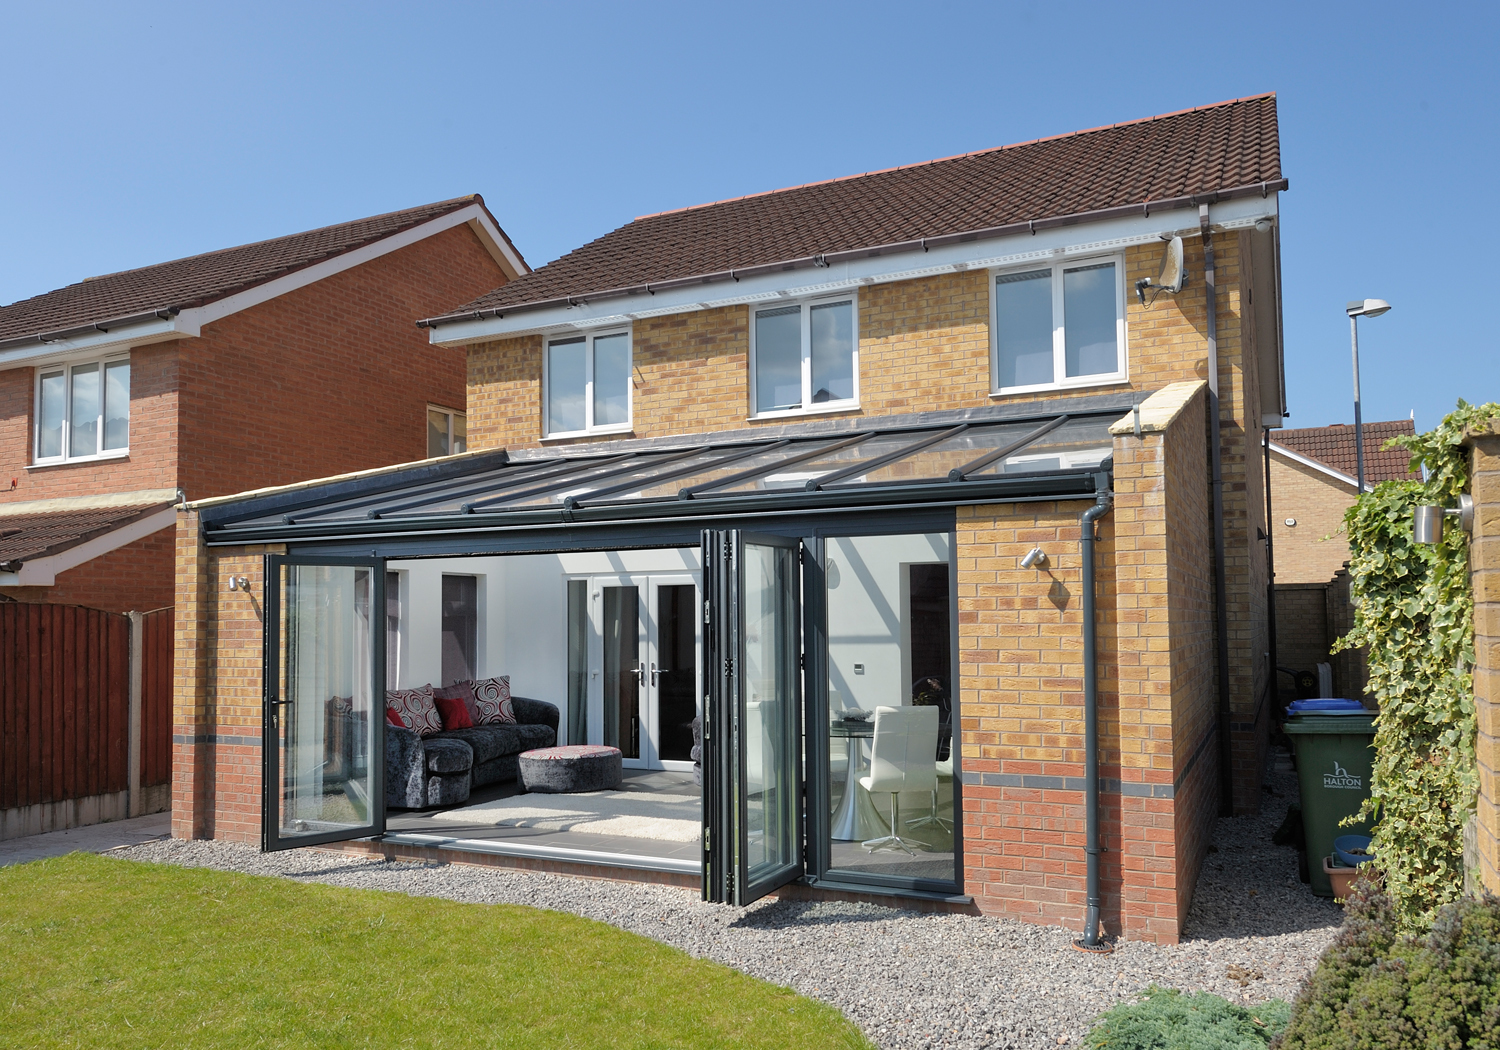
x=633 y=814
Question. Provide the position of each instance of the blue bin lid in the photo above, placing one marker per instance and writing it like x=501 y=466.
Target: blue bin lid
x=1326 y=706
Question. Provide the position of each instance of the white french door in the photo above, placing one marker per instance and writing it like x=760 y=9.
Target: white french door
x=643 y=685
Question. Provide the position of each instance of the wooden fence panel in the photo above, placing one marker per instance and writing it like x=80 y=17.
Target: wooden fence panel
x=156 y=698
x=64 y=703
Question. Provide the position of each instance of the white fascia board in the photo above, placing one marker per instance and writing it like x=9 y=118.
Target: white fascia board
x=473 y=214
x=1321 y=468
x=42 y=572
x=1017 y=249
x=95 y=344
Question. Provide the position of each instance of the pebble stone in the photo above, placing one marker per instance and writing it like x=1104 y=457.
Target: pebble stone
x=908 y=979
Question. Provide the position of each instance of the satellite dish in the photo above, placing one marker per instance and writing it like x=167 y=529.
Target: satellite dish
x=1173 y=271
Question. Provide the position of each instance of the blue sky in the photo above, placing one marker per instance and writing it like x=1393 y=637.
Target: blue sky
x=144 y=132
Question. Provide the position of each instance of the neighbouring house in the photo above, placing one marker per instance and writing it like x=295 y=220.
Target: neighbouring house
x=1313 y=483
x=260 y=365
x=124 y=394
x=866 y=503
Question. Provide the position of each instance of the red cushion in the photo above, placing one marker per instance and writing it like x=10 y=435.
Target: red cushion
x=454 y=712
x=393 y=718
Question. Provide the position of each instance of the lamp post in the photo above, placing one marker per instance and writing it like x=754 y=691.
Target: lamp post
x=1357 y=309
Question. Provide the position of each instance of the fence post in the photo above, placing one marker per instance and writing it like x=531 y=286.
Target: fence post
x=137 y=630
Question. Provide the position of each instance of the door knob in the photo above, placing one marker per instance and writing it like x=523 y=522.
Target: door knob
x=654 y=673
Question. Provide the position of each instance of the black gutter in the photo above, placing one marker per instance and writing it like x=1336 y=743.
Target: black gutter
x=166 y=313
x=1073 y=485
x=1216 y=470
x=1091 y=941
x=826 y=259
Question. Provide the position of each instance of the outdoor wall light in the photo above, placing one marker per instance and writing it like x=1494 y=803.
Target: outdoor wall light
x=1427 y=520
x=1035 y=558
x=239 y=583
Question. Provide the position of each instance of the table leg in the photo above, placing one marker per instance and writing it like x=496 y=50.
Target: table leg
x=856 y=818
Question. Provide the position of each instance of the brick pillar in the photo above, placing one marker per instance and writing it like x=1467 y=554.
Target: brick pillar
x=192 y=749
x=1484 y=563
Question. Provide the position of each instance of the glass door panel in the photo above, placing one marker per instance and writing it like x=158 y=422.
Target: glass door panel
x=323 y=776
x=752 y=773
x=674 y=670
x=624 y=670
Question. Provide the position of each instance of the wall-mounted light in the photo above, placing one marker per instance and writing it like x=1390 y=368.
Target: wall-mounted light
x=239 y=583
x=1290 y=523
x=1035 y=558
x=1427 y=520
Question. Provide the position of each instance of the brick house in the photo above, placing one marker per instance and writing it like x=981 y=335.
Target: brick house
x=253 y=366
x=952 y=442
x=1313 y=481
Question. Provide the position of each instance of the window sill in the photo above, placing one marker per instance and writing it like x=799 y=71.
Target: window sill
x=799 y=413
x=1048 y=388
x=108 y=457
x=574 y=435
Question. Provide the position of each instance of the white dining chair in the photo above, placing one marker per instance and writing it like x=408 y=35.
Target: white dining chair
x=901 y=759
x=944 y=770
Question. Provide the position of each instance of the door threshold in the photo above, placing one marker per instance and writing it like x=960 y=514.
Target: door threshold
x=838 y=886
x=532 y=851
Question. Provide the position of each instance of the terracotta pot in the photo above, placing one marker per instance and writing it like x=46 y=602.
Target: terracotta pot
x=1341 y=877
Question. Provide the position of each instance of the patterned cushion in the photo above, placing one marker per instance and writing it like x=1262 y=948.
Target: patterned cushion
x=416 y=709
x=492 y=701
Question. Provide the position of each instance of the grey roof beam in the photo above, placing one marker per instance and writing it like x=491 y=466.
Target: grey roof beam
x=814 y=484
x=472 y=508
x=594 y=497
x=545 y=469
x=780 y=464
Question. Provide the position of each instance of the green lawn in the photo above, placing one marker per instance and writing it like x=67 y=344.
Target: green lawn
x=100 y=952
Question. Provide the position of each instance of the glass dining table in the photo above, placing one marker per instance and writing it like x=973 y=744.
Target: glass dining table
x=856 y=818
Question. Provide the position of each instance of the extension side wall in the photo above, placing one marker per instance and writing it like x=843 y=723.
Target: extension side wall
x=1484 y=563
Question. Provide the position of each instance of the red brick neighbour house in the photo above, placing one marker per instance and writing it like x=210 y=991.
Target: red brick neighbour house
x=259 y=365
x=888 y=491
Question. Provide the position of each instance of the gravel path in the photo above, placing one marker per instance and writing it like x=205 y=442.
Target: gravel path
x=908 y=979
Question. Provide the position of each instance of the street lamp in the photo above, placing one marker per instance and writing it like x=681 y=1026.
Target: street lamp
x=1357 y=309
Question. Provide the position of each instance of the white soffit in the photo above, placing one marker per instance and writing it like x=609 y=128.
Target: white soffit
x=189 y=323
x=1014 y=250
x=42 y=572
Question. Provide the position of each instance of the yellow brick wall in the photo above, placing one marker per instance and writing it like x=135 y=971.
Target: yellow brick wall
x=1316 y=547
x=1484 y=563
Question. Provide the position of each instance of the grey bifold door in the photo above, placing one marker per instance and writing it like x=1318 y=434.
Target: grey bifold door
x=752 y=715
x=322 y=733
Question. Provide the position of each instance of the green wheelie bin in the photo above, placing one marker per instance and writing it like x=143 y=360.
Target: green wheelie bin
x=1335 y=753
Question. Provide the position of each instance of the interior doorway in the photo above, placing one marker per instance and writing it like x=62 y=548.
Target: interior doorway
x=638 y=660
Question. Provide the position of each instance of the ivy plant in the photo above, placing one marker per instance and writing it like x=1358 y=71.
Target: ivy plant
x=1414 y=611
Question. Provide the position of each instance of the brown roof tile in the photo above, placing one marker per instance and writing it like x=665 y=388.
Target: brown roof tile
x=201 y=279
x=1334 y=447
x=26 y=537
x=1195 y=152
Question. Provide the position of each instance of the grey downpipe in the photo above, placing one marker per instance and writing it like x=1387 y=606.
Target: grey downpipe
x=1216 y=464
x=1091 y=941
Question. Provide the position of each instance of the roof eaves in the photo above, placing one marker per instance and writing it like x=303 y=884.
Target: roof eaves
x=849 y=255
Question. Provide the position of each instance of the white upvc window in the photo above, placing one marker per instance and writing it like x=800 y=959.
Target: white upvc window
x=587 y=384
x=1058 y=324
x=82 y=411
x=804 y=357
x=447 y=432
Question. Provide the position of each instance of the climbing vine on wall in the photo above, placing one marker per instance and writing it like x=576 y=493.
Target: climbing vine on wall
x=1414 y=611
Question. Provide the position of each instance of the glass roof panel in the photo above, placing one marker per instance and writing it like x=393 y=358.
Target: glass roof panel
x=797 y=475
x=768 y=458
x=935 y=461
x=643 y=470
x=1076 y=445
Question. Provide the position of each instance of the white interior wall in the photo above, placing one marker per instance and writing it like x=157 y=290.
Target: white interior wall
x=867 y=612
x=523 y=606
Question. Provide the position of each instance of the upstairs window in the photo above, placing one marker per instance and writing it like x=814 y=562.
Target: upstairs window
x=447 y=432
x=82 y=411
x=1059 y=325
x=805 y=357
x=588 y=384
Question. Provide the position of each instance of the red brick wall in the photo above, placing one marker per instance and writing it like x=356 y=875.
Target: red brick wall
x=331 y=378
x=136 y=577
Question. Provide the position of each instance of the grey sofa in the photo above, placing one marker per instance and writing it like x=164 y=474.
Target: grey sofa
x=440 y=770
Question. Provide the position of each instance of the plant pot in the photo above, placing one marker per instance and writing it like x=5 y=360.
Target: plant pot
x=1341 y=877
x=1343 y=848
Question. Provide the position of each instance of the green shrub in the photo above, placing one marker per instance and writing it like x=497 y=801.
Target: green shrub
x=1377 y=988
x=1168 y=1020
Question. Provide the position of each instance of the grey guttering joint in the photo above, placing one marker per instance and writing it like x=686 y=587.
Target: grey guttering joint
x=825 y=259
x=165 y=313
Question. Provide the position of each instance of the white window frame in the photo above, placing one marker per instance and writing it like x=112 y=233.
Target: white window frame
x=1060 y=379
x=807 y=408
x=588 y=383
x=450 y=413
x=37 y=460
